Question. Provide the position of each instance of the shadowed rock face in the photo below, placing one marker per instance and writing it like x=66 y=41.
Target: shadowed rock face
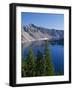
x=34 y=33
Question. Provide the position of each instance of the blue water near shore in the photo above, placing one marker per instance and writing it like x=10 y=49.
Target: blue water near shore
x=56 y=51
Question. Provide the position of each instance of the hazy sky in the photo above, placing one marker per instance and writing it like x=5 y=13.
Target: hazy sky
x=50 y=21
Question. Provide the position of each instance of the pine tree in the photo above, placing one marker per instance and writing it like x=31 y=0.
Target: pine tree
x=39 y=64
x=49 y=69
x=31 y=63
x=24 y=68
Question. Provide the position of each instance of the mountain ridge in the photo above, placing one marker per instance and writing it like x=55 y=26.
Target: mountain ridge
x=32 y=32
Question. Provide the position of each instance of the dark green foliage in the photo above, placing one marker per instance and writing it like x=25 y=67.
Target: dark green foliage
x=24 y=68
x=39 y=64
x=49 y=69
x=30 y=63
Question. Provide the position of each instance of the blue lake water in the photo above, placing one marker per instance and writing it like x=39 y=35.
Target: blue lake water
x=56 y=51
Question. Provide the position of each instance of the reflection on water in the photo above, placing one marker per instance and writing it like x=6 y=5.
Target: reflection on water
x=56 y=51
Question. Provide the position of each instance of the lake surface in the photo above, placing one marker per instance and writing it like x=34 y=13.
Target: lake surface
x=56 y=51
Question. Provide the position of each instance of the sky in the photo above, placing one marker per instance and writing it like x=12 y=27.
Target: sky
x=47 y=20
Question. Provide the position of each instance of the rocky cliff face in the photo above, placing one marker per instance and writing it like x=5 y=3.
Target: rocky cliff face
x=34 y=33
